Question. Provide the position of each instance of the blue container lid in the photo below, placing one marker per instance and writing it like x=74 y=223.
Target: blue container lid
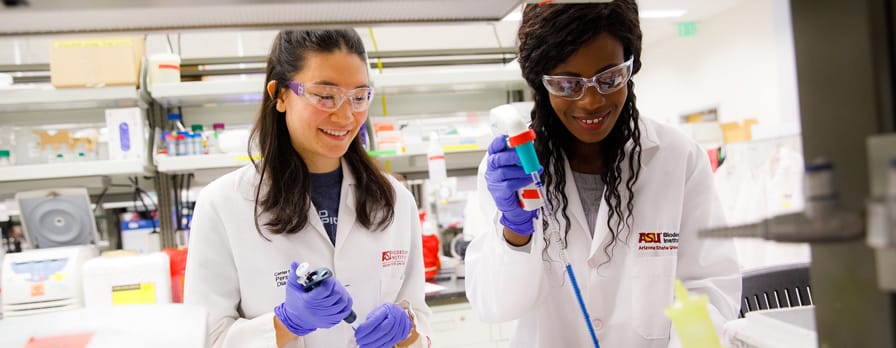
x=173 y=116
x=138 y=224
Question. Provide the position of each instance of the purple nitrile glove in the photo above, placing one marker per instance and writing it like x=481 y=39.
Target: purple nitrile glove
x=504 y=176
x=323 y=307
x=385 y=326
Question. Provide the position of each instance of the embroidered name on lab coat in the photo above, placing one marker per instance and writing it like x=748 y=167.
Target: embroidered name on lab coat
x=280 y=277
x=394 y=258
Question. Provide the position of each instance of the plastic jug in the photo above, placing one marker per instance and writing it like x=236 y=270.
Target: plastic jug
x=691 y=319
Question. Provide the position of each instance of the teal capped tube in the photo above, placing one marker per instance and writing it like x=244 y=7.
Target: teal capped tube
x=526 y=149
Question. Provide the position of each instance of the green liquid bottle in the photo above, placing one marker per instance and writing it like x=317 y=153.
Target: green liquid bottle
x=691 y=319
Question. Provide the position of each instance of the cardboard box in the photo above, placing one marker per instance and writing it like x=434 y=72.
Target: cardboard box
x=96 y=62
x=733 y=132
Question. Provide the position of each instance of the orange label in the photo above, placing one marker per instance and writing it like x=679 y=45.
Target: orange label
x=37 y=290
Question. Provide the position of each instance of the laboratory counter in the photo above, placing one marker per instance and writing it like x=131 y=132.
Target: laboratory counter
x=449 y=290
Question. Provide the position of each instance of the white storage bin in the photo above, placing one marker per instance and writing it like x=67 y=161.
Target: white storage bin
x=123 y=280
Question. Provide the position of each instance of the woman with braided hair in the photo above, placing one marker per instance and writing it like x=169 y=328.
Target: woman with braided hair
x=629 y=197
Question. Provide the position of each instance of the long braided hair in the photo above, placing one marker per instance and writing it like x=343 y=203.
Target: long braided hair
x=548 y=36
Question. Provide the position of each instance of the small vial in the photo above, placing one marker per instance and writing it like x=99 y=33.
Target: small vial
x=181 y=145
x=171 y=144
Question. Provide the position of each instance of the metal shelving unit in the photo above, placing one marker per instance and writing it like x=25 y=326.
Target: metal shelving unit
x=189 y=164
x=62 y=170
x=44 y=102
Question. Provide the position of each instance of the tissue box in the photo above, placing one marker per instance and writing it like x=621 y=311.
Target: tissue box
x=126 y=133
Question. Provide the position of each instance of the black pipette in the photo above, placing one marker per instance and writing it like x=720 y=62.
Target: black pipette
x=313 y=280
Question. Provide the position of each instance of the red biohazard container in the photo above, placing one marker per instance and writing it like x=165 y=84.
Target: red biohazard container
x=178 y=259
x=431 y=261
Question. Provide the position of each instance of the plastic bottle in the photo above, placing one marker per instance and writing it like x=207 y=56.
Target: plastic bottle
x=691 y=319
x=171 y=143
x=435 y=158
x=175 y=123
x=200 y=140
x=213 y=144
x=5 y=158
x=181 y=144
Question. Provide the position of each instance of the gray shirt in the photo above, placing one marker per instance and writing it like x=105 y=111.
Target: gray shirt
x=591 y=190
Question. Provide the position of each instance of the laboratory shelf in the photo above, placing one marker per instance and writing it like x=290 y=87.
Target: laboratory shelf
x=47 y=97
x=73 y=170
x=449 y=80
x=187 y=164
x=414 y=166
x=249 y=90
x=198 y=93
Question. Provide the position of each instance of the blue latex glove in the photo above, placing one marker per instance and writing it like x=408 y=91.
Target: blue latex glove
x=323 y=307
x=504 y=176
x=385 y=326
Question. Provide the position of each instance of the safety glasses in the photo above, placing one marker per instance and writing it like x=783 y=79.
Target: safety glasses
x=330 y=98
x=573 y=88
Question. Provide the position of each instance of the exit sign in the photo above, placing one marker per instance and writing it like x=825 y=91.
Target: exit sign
x=686 y=29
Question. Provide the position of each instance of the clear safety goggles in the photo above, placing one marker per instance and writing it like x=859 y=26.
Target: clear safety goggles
x=330 y=98
x=573 y=88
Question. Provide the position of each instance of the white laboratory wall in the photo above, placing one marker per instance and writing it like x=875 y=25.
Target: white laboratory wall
x=740 y=60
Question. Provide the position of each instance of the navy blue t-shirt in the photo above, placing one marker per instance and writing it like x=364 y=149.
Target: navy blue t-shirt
x=325 y=190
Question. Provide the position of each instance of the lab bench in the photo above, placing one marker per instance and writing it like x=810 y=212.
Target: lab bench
x=453 y=322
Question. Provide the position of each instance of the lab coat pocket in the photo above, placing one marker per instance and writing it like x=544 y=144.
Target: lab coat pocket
x=391 y=281
x=653 y=283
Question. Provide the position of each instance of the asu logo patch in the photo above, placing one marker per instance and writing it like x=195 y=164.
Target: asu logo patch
x=657 y=243
x=394 y=258
x=649 y=237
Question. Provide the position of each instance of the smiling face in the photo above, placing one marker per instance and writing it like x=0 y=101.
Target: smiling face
x=319 y=136
x=591 y=118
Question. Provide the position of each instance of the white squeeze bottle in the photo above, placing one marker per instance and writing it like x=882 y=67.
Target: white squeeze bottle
x=435 y=158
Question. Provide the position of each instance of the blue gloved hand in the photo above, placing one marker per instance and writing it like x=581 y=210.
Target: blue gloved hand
x=504 y=176
x=323 y=307
x=385 y=326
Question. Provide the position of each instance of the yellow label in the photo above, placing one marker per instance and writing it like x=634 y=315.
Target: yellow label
x=93 y=43
x=448 y=148
x=245 y=158
x=144 y=293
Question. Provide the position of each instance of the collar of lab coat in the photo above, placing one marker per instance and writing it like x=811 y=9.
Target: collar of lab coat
x=649 y=144
x=346 y=216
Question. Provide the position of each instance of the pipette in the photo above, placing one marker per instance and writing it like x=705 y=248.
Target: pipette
x=311 y=280
x=505 y=119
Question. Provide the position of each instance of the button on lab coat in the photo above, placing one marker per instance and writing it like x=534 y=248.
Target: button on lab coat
x=239 y=277
x=626 y=294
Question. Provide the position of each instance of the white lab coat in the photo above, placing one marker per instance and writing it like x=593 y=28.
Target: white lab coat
x=626 y=294
x=239 y=277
